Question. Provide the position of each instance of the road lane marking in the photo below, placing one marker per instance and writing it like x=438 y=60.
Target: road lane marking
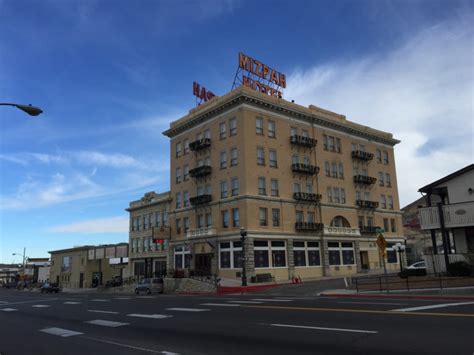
x=145 y=297
x=100 y=311
x=8 y=309
x=123 y=298
x=41 y=305
x=271 y=300
x=382 y=303
x=313 y=309
x=60 y=332
x=99 y=300
x=188 y=309
x=246 y=302
x=130 y=346
x=152 y=316
x=442 y=305
x=106 y=323
x=69 y=302
x=3 y=302
x=220 y=304
x=35 y=301
x=324 y=328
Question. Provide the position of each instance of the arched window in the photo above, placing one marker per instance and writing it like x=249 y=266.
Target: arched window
x=340 y=221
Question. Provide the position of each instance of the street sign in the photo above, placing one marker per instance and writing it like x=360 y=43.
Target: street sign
x=382 y=244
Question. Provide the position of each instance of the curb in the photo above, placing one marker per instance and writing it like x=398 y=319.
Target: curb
x=244 y=289
x=420 y=297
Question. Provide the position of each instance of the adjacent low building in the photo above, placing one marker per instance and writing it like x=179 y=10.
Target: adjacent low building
x=88 y=266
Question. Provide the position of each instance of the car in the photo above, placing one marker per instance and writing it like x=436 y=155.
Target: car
x=150 y=285
x=13 y=284
x=49 y=288
x=420 y=265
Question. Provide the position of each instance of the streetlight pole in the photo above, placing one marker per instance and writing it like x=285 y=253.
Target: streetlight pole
x=23 y=255
x=29 y=109
x=400 y=248
x=243 y=237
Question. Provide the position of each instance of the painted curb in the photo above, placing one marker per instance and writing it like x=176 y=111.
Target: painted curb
x=420 y=297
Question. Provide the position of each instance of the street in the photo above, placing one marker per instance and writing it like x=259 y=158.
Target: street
x=236 y=324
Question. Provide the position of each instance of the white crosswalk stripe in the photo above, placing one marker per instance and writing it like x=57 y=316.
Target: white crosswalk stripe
x=188 y=309
x=41 y=305
x=99 y=300
x=271 y=300
x=60 y=332
x=100 y=311
x=70 y=302
x=8 y=309
x=221 y=304
x=152 y=316
x=106 y=323
x=123 y=298
x=245 y=302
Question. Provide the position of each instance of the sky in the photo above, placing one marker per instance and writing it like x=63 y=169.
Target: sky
x=111 y=75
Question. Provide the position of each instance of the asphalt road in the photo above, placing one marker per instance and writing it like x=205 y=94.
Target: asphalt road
x=32 y=323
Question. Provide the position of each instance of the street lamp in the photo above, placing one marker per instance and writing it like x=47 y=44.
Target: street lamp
x=29 y=109
x=243 y=237
x=399 y=248
x=24 y=257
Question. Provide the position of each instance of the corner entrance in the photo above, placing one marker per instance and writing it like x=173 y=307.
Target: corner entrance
x=202 y=264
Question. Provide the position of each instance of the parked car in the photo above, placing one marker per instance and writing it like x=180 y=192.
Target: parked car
x=13 y=284
x=416 y=269
x=49 y=288
x=154 y=285
x=417 y=266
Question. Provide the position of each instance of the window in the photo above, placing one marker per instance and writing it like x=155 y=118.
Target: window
x=332 y=146
x=386 y=226
x=178 y=175
x=358 y=197
x=259 y=125
x=233 y=127
x=67 y=263
x=390 y=202
x=230 y=255
x=178 y=149
x=158 y=219
x=208 y=189
x=274 y=187
x=186 y=224
x=338 y=145
x=334 y=169
x=224 y=189
x=261 y=186
x=233 y=157
x=235 y=186
x=185 y=199
x=336 y=196
x=271 y=129
x=208 y=220
x=391 y=254
x=263 y=249
x=295 y=159
x=327 y=169
x=261 y=253
x=235 y=217
x=381 y=180
x=305 y=133
x=225 y=219
x=134 y=245
x=178 y=226
x=296 y=187
x=223 y=160
x=299 y=216
x=341 y=171
x=222 y=130
x=275 y=217
x=273 y=159
x=165 y=219
x=326 y=142
x=306 y=161
x=329 y=191
x=200 y=221
x=385 y=157
x=178 y=200
x=293 y=131
x=186 y=146
x=341 y=253
x=200 y=190
x=207 y=134
x=309 y=187
x=260 y=156
x=306 y=253
x=138 y=223
x=278 y=250
x=263 y=216
x=393 y=225
x=370 y=221
x=182 y=257
x=383 y=201
x=378 y=155
x=388 y=180
x=185 y=172
x=199 y=136
x=361 y=221
x=343 y=196
x=311 y=216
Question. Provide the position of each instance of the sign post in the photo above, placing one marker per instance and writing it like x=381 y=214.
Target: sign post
x=382 y=244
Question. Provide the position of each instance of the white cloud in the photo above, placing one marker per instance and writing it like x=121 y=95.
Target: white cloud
x=422 y=92
x=93 y=226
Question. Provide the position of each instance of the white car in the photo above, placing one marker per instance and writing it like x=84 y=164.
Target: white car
x=420 y=265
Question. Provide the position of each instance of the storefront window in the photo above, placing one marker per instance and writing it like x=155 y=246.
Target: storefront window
x=230 y=255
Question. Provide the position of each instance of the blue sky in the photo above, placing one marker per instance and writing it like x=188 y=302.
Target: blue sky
x=111 y=75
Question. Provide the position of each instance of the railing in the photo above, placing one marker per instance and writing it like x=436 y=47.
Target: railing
x=304 y=168
x=437 y=263
x=201 y=232
x=455 y=215
x=361 y=155
x=362 y=179
x=201 y=199
x=303 y=141
x=200 y=171
x=340 y=231
x=305 y=196
x=369 y=229
x=309 y=226
x=367 y=204
x=200 y=144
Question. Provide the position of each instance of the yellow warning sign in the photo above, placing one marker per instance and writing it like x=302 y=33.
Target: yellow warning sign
x=382 y=244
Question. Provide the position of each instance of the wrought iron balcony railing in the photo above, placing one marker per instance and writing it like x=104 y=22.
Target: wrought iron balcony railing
x=303 y=141
x=200 y=171
x=305 y=169
x=200 y=200
x=367 y=204
x=366 y=180
x=200 y=144
x=361 y=155
x=369 y=229
x=305 y=196
x=309 y=226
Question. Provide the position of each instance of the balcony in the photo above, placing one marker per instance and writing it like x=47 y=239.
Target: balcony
x=361 y=155
x=308 y=226
x=200 y=200
x=341 y=231
x=455 y=216
x=200 y=171
x=303 y=141
x=304 y=169
x=200 y=144
x=365 y=180
x=369 y=229
x=305 y=196
x=367 y=204
x=201 y=232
